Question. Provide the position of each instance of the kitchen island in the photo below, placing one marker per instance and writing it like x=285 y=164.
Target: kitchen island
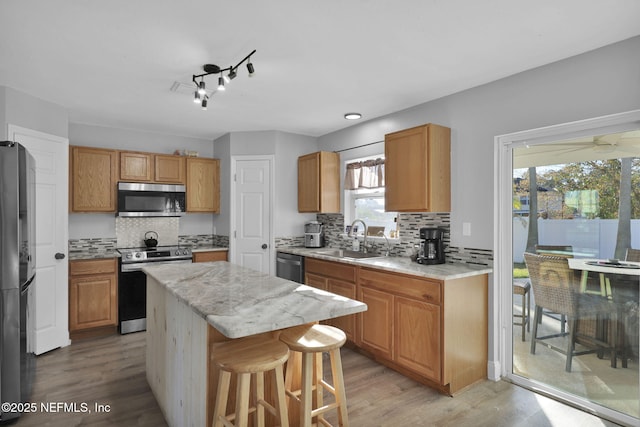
x=191 y=306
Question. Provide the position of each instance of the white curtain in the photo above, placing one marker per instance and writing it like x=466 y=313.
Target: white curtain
x=366 y=174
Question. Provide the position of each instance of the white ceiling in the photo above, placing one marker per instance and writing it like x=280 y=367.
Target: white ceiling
x=112 y=63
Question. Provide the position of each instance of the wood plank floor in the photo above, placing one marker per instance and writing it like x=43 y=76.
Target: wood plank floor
x=110 y=371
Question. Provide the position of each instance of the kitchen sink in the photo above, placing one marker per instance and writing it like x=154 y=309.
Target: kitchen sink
x=344 y=253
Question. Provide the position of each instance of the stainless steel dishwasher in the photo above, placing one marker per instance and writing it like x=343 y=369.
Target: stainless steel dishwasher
x=289 y=266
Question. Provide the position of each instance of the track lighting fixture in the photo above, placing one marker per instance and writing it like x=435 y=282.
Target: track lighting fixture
x=201 y=94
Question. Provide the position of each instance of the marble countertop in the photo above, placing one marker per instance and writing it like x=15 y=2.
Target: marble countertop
x=448 y=271
x=207 y=248
x=238 y=301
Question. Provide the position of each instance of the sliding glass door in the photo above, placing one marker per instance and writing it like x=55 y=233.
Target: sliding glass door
x=575 y=206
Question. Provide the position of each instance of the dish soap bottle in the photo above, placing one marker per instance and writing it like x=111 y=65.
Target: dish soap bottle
x=355 y=246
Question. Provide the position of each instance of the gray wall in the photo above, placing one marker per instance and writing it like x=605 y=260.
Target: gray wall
x=600 y=82
x=18 y=108
x=286 y=148
x=92 y=225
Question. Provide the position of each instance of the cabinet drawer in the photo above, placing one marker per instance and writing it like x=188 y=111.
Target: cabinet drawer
x=398 y=284
x=335 y=270
x=92 y=266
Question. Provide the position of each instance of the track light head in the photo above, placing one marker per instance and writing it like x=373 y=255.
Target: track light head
x=196 y=97
x=250 y=68
x=232 y=74
x=201 y=88
x=221 y=83
x=204 y=102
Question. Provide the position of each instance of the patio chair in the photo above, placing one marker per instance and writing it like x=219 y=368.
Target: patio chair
x=564 y=251
x=625 y=295
x=632 y=255
x=556 y=289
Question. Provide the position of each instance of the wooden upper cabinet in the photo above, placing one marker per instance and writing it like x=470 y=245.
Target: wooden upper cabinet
x=169 y=169
x=136 y=166
x=319 y=182
x=418 y=169
x=94 y=173
x=203 y=185
x=149 y=167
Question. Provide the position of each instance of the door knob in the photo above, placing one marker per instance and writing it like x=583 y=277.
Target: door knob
x=264 y=246
x=59 y=255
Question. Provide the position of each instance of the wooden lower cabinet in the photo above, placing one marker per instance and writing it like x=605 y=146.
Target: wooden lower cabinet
x=434 y=331
x=417 y=337
x=340 y=279
x=93 y=294
x=210 y=256
x=376 y=334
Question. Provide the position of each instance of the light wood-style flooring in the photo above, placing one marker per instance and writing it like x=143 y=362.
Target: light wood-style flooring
x=111 y=371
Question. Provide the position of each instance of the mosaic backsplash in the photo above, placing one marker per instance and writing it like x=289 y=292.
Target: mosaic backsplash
x=409 y=225
x=106 y=244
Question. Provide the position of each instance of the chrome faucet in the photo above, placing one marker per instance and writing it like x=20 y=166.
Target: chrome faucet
x=388 y=251
x=364 y=242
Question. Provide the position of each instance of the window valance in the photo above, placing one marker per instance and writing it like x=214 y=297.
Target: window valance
x=365 y=174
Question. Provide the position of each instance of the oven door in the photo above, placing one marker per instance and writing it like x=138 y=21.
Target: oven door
x=132 y=295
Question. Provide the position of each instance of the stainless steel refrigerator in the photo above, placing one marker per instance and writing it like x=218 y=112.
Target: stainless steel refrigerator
x=17 y=273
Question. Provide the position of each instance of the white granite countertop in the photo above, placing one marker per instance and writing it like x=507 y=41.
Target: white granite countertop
x=238 y=301
x=207 y=248
x=448 y=271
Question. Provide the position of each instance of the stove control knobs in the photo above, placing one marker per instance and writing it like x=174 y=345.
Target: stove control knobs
x=185 y=252
x=128 y=256
x=138 y=255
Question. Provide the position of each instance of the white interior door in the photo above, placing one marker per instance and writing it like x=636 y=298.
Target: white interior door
x=252 y=216
x=51 y=311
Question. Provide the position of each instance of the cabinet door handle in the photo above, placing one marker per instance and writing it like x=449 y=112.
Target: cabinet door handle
x=59 y=255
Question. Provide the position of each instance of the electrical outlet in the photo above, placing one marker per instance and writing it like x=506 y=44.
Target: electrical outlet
x=466 y=229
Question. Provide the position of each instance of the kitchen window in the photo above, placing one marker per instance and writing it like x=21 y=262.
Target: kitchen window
x=364 y=195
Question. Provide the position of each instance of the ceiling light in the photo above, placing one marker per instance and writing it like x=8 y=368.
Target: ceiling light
x=352 y=116
x=201 y=94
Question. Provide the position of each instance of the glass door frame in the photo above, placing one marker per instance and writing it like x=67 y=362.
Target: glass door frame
x=501 y=298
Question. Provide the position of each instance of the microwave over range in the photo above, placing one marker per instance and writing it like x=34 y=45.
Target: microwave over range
x=140 y=199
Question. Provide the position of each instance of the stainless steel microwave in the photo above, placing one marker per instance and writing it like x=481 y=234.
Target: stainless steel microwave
x=140 y=199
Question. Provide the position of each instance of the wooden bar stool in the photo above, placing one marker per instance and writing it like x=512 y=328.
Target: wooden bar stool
x=244 y=357
x=312 y=341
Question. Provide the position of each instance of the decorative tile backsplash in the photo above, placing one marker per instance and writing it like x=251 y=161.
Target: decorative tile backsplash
x=130 y=232
x=204 y=240
x=409 y=225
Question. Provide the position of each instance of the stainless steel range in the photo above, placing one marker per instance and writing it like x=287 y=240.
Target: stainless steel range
x=132 y=282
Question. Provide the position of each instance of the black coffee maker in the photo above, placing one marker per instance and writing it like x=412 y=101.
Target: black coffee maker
x=431 y=248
